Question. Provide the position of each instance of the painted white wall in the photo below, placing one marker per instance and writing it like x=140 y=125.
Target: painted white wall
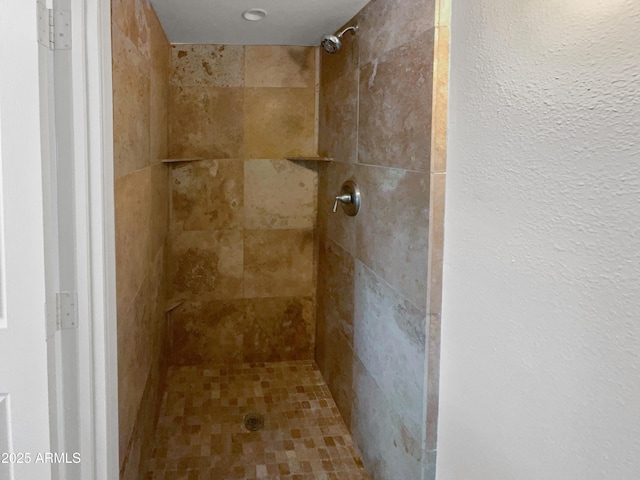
x=541 y=316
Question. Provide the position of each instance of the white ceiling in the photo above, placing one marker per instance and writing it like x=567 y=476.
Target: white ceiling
x=288 y=22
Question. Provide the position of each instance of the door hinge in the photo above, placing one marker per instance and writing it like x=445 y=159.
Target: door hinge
x=66 y=310
x=54 y=28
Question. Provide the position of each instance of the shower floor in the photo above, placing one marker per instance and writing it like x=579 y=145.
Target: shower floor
x=201 y=433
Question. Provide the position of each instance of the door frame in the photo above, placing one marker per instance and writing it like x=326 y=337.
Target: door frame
x=95 y=227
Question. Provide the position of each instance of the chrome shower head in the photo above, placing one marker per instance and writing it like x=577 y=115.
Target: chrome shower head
x=332 y=43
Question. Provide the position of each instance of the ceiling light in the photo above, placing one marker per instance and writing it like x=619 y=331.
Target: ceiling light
x=254 y=14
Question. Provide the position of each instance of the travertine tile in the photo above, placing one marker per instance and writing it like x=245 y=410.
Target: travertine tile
x=159 y=214
x=433 y=381
x=388 y=449
x=279 y=329
x=336 y=281
x=393 y=228
x=338 y=118
x=207 y=264
x=207 y=65
x=385 y=25
x=395 y=110
x=389 y=338
x=443 y=13
x=280 y=66
x=429 y=465
x=207 y=331
x=206 y=122
x=131 y=100
x=335 y=358
x=436 y=242
x=134 y=359
x=132 y=18
x=140 y=86
x=279 y=122
x=207 y=195
x=201 y=433
x=136 y=461
x=440 y=100
x=386 y=74
x=278 y=263
x=132 y=196
x=279 y=194
x=159 y=92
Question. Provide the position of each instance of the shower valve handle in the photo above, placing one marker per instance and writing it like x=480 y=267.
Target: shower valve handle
x=349 y=197
x=346 y=198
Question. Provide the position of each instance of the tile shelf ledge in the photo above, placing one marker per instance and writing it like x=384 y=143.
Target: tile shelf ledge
x=181 y=160
x=310 y=159
x=293 y=159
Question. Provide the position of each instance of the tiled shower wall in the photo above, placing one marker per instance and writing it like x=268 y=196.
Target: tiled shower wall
x=141 y=95
x=378 y=275
x=243 y=218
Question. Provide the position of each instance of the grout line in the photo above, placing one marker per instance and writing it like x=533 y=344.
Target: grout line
x=383 y=166
x=357 y=40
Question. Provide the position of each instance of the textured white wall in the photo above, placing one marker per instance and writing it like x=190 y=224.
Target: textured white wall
x=541 y=316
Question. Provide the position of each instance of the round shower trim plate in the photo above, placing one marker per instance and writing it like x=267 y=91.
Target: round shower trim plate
x=254 y=14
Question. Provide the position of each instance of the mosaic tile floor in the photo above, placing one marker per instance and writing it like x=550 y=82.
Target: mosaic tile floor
x=201 y=433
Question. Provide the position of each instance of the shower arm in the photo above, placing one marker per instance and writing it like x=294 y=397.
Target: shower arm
x=353 y=28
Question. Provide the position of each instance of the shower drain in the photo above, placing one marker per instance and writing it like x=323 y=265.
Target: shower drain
x=254 y=421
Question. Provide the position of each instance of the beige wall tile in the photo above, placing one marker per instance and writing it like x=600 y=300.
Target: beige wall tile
x=393 y=228
x=207 y=65
x=280 y=66
x=141 y=340
x=433 y=381
x=436 y=242
x=132 y=213
x=207 y=195
x=159 y=213
x=338 y=118
x=443 y=13
x=278 y=263
x=134 y=360
x=207 y=264
x=206 y=122
x=279 y=329
x=279 y=122
x=336 y=281
x=279 y=194
x=141 y=96
x=385 y=25
x=440 y=101
x=131 y=100
x=132 y=18
x=389 y=338
x=335 y=359
x=208 y=331
x=159 y=92
x=395 y=110
x=388 y=449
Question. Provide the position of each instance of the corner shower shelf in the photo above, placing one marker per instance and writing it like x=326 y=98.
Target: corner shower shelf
x=310 y=159
x=181 y=160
